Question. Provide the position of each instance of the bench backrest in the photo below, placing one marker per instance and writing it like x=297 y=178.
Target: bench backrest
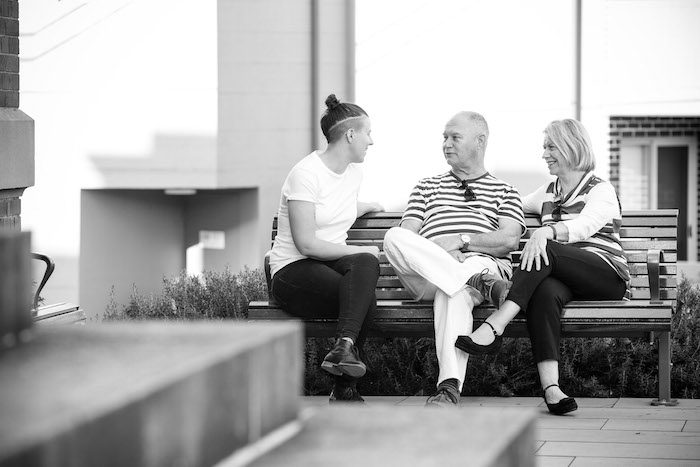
x=644 y=235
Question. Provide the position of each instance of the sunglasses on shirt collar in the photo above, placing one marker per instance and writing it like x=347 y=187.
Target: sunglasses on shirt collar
x=468 y=192
x=556 y=211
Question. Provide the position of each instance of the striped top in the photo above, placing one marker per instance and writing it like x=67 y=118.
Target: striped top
x=592 y=215
x=440 y=205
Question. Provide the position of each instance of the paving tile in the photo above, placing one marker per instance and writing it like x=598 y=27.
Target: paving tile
x=414 y=401
x=503 y=401
x=628 y=402
x=568 y=422
x=553 y=461
x=616 y=436
x=386 y=400
x=692 y=426
x=629 y=462
x=314 y=401
x=651 y=413
x=595 y=402
x=624 y=450
x=644 y=425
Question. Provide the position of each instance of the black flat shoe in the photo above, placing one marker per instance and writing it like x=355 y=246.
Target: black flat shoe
x=466 y=344
x=566 y=405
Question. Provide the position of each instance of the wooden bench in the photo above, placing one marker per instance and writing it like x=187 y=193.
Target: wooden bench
x=648 y=237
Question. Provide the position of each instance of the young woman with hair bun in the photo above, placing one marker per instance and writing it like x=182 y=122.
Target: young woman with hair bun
x=314 y=272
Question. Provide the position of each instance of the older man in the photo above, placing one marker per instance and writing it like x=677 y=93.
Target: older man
x=454 y=241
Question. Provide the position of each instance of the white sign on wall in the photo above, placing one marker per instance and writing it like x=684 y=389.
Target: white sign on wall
x=212 y=239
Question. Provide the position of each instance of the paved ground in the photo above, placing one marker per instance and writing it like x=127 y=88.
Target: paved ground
x=603 y=432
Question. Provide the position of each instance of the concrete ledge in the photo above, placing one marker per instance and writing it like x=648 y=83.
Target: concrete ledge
x=416 y=436
x=16 y=150
x=146 y=393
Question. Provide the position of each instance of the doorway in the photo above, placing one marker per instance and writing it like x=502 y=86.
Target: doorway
x=659 y=173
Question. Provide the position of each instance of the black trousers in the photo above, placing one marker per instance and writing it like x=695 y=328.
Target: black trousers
x=572 y=274
x=344 y=288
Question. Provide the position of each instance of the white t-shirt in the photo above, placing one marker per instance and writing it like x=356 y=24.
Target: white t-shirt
x=334 y=196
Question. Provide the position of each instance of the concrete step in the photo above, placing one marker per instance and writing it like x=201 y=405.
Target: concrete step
x=146 y=393
x=383 y=435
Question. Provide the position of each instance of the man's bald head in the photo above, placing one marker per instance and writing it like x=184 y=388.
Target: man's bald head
x=464 y=143
x=474 y=120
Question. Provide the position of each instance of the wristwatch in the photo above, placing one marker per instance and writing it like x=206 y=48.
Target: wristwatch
x=466 y=239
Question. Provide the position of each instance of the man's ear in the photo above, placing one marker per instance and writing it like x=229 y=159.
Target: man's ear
x=482 y=140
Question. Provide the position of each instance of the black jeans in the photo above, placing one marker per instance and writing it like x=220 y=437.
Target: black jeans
x=344 y=288
x=572 y=273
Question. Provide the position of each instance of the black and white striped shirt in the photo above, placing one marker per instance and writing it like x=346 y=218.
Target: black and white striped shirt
x=604 y=241
x=440 y=205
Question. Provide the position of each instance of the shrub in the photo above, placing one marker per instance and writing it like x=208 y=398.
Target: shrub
x=595 y=367
x=216 y=295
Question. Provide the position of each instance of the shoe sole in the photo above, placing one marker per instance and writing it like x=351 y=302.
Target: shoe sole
x=338 y=369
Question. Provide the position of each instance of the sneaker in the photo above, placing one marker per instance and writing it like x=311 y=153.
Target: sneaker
x=491 y=287
x=443 y=398
x=344 y=359
x=345 y=394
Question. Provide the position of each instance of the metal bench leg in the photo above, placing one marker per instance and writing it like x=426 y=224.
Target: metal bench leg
x=664 y=371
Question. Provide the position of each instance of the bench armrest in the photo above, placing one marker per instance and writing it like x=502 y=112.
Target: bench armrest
x=268 y=277
x=50 y=266
x=654 y=258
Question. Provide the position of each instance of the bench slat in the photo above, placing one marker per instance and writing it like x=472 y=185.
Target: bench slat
x=637 y=281
x=640 y=234
x=637 y=294
x=661 y=217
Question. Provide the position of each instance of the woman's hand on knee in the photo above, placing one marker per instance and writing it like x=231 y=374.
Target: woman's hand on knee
x=535 y=250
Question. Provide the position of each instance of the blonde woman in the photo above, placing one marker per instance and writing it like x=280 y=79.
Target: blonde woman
x=576 y=254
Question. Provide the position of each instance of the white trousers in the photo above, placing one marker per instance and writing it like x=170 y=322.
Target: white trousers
x=431 y=273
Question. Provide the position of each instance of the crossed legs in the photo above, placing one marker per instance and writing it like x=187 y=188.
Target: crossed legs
x=572 y=273
x=429 y=272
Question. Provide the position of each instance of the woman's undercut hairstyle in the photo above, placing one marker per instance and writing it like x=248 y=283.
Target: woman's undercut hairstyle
x=572 y=140
x=338 y=117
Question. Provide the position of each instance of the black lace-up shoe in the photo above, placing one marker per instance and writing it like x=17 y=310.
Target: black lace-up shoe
x=491 y=287
x=345 y=394
x=344 y=359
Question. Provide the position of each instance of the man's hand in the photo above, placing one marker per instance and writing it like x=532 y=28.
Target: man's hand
x=458 y=255
x=449 y=243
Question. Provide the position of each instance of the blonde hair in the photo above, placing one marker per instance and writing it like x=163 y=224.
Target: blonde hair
x=572 y=140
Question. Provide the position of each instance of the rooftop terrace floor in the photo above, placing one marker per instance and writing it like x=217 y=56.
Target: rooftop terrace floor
x=602 y=432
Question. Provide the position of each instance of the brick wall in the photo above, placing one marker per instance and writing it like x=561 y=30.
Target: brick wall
x=10 y=204
x=622 y=127
x=9 y=53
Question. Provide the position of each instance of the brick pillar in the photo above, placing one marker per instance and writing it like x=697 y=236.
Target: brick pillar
x=16 y=128
x=9 y=53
